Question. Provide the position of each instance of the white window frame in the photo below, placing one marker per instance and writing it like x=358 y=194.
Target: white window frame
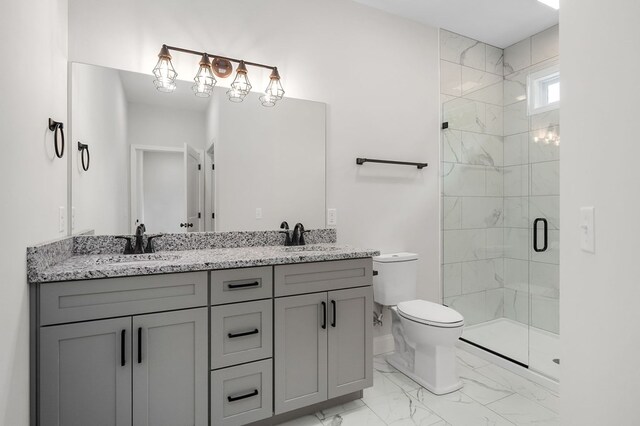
x=537 y=84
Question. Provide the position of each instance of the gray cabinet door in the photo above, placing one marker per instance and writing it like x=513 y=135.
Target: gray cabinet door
x=300 y=346
x=170 y=368
x=85 y=374
x=350 y=341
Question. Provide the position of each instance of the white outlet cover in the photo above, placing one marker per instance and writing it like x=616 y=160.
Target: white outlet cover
x=332 y=217
x=258 y=213
x=587 y=229
x=61 y=219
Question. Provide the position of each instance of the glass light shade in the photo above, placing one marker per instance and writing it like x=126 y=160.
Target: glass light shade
x=204 y=80
x=240 y=86
x=164 y=72
x=274 y=91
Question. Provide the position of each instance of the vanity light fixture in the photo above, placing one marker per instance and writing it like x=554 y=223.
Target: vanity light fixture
x=274 y=91
x=221 y=67
x=204 y=80
x=240 y=86
x=165 y=73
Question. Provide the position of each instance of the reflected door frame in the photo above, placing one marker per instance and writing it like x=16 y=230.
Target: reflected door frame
x=136 y=206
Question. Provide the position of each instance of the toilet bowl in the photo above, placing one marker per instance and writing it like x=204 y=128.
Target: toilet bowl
x=424 y=333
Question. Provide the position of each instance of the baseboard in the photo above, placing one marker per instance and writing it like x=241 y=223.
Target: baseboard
x=383 y=344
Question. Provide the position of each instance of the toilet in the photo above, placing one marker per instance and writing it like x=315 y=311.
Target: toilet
x=424 y=333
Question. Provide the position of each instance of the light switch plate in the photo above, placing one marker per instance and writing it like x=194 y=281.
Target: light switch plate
x=258 y=213
x=332 y=217
x=61 y=219
x=587 y=229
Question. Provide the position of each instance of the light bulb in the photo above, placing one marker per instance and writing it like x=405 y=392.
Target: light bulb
x=164 y=72
x=204 y=80
x=241 y=85
x=274 y=91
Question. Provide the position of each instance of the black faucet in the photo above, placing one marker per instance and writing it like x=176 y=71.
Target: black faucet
x=297 y=239
x=287 y=238
x=138 y=249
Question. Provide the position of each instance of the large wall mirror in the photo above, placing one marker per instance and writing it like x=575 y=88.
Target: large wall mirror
x=179 y=163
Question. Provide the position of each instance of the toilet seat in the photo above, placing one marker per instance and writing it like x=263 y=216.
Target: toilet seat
x=429 y=313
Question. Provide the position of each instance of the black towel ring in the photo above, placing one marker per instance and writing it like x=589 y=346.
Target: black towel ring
x=83 y=148
x=57 y=127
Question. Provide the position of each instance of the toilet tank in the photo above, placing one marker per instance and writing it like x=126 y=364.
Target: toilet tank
x=396 y=279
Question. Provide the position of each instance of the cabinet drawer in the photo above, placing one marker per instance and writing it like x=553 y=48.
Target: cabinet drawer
x=242 y=394
x=241 y=332
x=112 y=297
x=322 y=276
x=241 y=285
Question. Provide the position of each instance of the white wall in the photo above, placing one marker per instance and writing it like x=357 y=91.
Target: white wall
x=272 y=159
x=352 y=57
x=600 y=319
x=99 y=117
x=34 y=181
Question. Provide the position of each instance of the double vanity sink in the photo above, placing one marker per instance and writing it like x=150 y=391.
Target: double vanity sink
x=214 y=336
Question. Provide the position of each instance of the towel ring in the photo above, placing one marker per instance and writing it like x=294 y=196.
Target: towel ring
x=57 y=127
x=84 y=148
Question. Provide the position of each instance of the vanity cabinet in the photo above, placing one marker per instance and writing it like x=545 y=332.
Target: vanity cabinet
x=322 y=340
x=145 y=369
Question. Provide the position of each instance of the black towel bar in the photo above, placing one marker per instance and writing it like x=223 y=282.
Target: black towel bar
x=361 y=161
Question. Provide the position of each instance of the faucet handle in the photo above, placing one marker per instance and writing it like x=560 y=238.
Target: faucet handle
x=149 y=248
x=128 y=248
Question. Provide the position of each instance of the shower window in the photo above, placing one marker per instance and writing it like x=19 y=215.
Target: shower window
x=544 y=90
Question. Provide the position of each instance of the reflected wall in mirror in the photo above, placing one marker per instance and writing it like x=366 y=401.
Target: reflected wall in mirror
x=179 y=163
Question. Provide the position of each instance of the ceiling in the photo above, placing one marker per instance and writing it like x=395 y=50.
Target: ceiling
x=139 y=88
x=500 y=23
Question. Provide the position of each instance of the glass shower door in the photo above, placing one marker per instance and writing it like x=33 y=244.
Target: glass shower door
x=486 y=226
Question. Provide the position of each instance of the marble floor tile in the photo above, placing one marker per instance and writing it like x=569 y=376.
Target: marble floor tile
x=402 y=409
x=358 y=417
x=522 y=386
x=309 y=420
x=523 y=411
x=480 y=388
x=339 y=409
x=469 y=360
x=381 y=387
x=460 y=410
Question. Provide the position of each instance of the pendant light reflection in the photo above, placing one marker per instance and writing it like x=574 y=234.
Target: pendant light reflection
x=274 y=91
x=204 y=80
x=240 y=86
x=164 y=72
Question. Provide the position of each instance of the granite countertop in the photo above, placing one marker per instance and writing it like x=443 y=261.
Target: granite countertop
x=84 y=267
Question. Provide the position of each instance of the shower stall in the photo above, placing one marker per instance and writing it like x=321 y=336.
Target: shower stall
x=500 y=195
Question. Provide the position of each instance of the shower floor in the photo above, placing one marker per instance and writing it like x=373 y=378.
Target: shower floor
x=532 y=346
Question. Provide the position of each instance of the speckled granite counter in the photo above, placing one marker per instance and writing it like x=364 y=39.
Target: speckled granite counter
x=83 y=267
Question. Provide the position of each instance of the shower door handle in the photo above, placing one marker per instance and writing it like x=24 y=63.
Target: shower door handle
x=545 y=229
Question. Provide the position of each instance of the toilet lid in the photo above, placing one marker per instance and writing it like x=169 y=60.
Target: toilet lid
x=430 y=313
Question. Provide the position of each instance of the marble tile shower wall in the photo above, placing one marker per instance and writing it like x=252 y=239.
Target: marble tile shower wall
x=495 y=178
x=471 y=76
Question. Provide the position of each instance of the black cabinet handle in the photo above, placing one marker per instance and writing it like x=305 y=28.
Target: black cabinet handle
x=545 y=229
x=139 y=345
x=324 y=315
x=123 y=360
x=243 y=285
x=245 y=396
x=57 y=127
x=245 y=333
x=186 y=225
x=375 y=273
x=333 y=318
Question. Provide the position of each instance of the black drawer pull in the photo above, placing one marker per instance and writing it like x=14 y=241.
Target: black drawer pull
x=244 y=285
x=333 y=307
x=123 y=359
x=245 y=396
x=246 y=333
x=324 y=315
x=139 y=345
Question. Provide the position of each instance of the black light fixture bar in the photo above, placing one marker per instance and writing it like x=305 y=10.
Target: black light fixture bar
x=361 y=161
x=195 y=52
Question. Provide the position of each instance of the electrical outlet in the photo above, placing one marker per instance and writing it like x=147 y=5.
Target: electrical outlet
x=332 y=217
x=61 y=219
x=587 y=227
x=258 y=213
